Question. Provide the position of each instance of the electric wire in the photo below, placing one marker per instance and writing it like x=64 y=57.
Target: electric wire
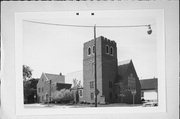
x=89 y=26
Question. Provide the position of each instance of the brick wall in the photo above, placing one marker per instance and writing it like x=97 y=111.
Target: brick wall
x=106 y=66
x=43 y=86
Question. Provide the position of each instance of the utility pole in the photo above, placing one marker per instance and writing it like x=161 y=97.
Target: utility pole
x=133 y=99
x=95 y=77
x=50 y=91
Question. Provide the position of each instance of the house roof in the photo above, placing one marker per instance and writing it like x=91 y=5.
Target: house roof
x=149 y=84
x=63 y=86
x=53 y=76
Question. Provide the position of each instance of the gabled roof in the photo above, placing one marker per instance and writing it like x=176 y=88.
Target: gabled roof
x=124 y=62
x=123 y=66
x=149 y=84
x=53 y=76
x=122 y=69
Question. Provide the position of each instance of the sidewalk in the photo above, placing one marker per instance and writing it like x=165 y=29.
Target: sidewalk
x=79 y=105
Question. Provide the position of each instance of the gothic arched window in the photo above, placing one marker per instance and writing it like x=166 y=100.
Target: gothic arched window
x=89 y=51
x=107 y=49
x=111 y=50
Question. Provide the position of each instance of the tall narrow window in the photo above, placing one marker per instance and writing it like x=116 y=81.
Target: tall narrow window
x=47 y=96
x=80 y=93
x=89 y=51
x=107 y=49
x=111 y=50
x=142 y=94
x=92 y=96
x=92 y=84
x=43 y=98
x=39 y=90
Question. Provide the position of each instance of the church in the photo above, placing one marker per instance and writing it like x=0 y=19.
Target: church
x=116 y=83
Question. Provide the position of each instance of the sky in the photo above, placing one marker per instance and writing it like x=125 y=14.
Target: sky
x=54 y=49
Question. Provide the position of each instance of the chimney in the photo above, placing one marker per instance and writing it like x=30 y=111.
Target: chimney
x=60 y=74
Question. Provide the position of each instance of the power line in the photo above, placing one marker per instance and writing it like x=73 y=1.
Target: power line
x=90 y=26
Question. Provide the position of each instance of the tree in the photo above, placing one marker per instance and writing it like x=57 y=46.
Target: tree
x=64 y=96
x=27 y=72
x=76 y=86
x=29 y=83
x=30 y=90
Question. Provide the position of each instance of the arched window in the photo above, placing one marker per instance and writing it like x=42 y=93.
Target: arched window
x=107 y=49
x=89 y=51
x=111 y=50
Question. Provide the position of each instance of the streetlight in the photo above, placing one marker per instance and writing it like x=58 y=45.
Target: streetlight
x=149 y=30
x=49 y=96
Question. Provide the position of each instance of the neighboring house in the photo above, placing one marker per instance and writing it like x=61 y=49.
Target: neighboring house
x=110 y=76
x=78 y=94
x=78 y=89
x=48 y=84
x=149 y=89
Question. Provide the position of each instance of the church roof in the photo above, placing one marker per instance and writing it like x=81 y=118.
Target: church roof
x=123 y=66
x=124 y=62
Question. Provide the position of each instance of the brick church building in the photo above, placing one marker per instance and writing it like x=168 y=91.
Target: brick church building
x=115 y=83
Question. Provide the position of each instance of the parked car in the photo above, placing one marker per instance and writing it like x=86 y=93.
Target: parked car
x=150 y=104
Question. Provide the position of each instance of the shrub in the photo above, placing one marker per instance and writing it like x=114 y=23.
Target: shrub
x=63 y=96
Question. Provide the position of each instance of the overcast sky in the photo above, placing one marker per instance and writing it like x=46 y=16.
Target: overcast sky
x=55 y=49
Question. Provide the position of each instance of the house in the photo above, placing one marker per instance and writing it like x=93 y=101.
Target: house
x=78 y=94
x=149 y=89
x=111 y=78
x=48 y=84
x=76 y=89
